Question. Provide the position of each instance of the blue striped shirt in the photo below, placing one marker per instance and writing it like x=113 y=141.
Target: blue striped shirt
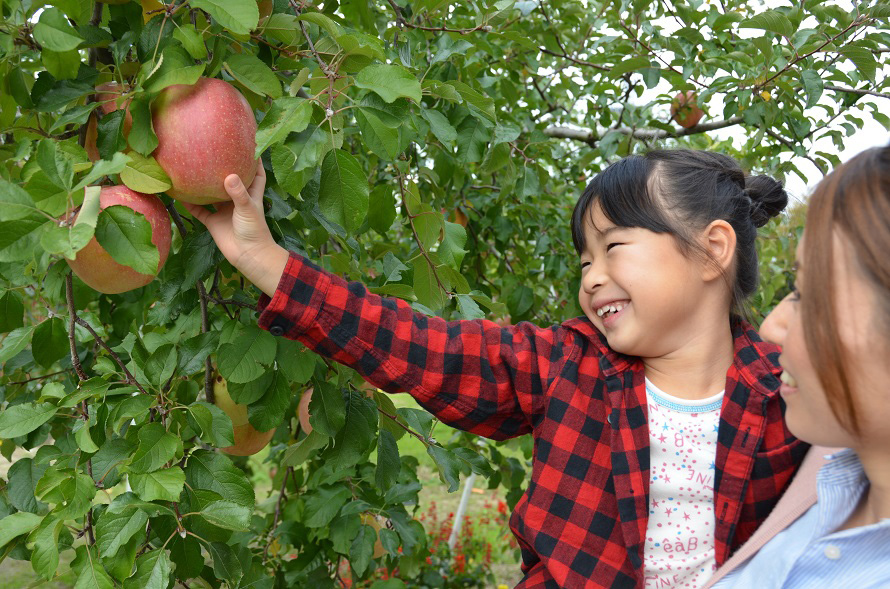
x=809 y=553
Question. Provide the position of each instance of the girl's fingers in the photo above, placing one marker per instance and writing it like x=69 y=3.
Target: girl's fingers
x=236 y=190
x=259 y=183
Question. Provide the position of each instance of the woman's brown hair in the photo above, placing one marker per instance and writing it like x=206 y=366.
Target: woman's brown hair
x=855 y=199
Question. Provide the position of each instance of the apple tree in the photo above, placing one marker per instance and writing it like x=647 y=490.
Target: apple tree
x=432 y=150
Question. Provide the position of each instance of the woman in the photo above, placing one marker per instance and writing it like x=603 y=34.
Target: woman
x=833 y=524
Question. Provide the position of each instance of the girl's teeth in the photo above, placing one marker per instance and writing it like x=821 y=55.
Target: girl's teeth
x=788 y=380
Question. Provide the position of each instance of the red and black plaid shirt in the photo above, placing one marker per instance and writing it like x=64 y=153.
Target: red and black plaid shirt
x=582 y=520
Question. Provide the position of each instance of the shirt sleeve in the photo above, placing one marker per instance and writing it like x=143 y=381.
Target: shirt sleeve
x=472 y=374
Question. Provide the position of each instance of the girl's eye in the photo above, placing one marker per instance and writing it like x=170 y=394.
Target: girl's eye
x=795 y=295
x=583 y=264
x=611 y=245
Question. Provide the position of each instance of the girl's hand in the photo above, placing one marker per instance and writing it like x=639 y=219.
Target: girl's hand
x=240 y=231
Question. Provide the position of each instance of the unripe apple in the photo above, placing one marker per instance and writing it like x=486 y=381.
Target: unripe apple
x=107 y=94
x=685 y=110
x=95 y=266
x=205 y=132
x=248 y=440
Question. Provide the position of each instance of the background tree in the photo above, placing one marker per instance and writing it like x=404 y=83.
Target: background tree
x=433 y=150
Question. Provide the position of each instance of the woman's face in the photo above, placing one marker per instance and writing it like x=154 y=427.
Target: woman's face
x=858 y=321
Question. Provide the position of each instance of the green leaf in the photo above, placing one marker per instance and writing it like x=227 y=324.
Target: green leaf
x=215 y=472
x=770 y=20
x=105 y=462
x=322 y=21
x=255 y=74
x=451 y=251
x=448 y=465
x=22 y=478
x=101 y=169
x=50 y=342
x=389 y=82
x=449 y=47
x=161 y=485
x=191 y=39
x=439 y=125
x=472 y=138
x=343 y=193
x=323 y=504
x=327 y=409
x=214 y=425
x=70 y=490
x=142 y=136
x=228 y=515
x=110 y=131
x=268 y=412
x=426 y=288
x=156 y=448
x=248 y=357
x=362 y=549
x=13 y=526
x=54 y=32
x=863 y=59
x=82 y=437
x=480 y=106
x=153 y=571
x=226 y=565
x=126 y=235
x=144 y=174
x=813 y=86
x=303 y=450
x=161 y=365
x=286 y=115
x=194 y=351
x=176 y=67
x=55 y=163
x=12 y=311
x=15 y=203
x=90 y=572
x=19 y=420
x=63 y=65
x=238 y=16
x=381 y=208
x=380 y=138
x=45 y=556
x=389 y=464
x=114 y=530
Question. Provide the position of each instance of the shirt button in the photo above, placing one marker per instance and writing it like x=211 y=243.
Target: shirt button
x=276 y=330
x=832 y=552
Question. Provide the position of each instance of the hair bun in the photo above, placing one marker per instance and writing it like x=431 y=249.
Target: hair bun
x=768 y=198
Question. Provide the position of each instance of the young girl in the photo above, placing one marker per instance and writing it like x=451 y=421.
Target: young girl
x=834 y=336
x=658 y=432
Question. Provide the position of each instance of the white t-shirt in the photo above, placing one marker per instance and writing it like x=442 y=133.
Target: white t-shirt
x=679 y=549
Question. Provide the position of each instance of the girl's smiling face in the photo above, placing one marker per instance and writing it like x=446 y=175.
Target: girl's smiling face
x=640 y=290
x=864 y=351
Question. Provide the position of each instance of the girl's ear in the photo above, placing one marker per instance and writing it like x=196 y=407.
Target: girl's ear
x=719 y=241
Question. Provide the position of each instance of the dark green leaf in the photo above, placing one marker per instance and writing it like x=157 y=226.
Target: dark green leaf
x=54 y=32
x=215 y=472
x=12 y=311
x=161 y=485
x=19 y=420
x=156 y=448
x=248 y=357
x=126 y=235
x=237 y=16
x=268 y=412
x=389 y=82
x=142 y=136
x=343 y=194
x=286 y=115
x=254 y=74
x=153 y=571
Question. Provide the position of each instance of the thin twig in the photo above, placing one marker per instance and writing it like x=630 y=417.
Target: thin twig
x=72 y=319
x=32 y=379
x=130 y=378
x=281 y=495
x=858 y=91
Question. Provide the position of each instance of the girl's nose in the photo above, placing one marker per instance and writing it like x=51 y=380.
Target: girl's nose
x=775 y=327
x=593 y=278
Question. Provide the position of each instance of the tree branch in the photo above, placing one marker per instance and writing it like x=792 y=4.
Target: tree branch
x=858 y=91
x=592 y=137
x=72 y=319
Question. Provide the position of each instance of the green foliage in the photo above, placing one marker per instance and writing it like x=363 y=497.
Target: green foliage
x=432 y=150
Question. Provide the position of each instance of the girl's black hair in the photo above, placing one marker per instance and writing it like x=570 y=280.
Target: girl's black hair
x=681 y=191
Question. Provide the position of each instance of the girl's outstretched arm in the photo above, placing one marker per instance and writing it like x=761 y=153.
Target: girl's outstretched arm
x=472 y=374
x=240 y=231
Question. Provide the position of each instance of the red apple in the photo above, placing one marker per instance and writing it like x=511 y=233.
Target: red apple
x=685 y=110
x=248 y=440
x=108 y=95
x=97 y=268
x=205 y=132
